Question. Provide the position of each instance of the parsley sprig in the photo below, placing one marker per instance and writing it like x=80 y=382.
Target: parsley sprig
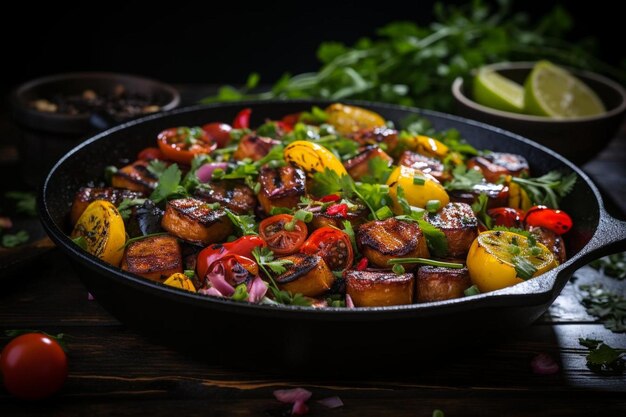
x=603 y=358
x=547 y=189
x=608 y=306
x=266 y=261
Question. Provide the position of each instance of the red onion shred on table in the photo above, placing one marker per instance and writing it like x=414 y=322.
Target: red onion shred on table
x=296 y=396
x=331 y=402
x=543 y=364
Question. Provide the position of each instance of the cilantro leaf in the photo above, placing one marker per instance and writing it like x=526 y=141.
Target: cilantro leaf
x=547 y=189
x=464 y=179
x=613 y=265
x=25 y=202
x=609 y=307
x=169 y=185
x=156 y=167
x=379 y=170
x=435 y=238
x=480 y=209
x=125 y=207
x=244 y=222
x=16 y=239
x=603 y=358
x=326 y=182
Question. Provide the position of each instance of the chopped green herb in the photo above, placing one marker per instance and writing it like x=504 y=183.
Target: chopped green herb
x=609 y=307
x=547 y=189
x=419 y=180
x=349 y=230
x=384 y=213
x=473 y=290
x=25 y=202
x=398 y=269
x=480 y=208
x=190 y=273
x=523 y=267
x=378 y=172
x=241 y=293
x=425 y=261
x=125 y=207
x=81 y=242
x=612 y=265
x=16 y=239
x=156 y=167
x=432 y=206
x=316 y=116
x=602 y=358
x=244 y=222
x=169 y=185
x=109 y=171
x=464 y=179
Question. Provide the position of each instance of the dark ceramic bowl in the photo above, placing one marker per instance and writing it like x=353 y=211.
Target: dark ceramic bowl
x=578 y=139
x=291 y=337
x=45 y=137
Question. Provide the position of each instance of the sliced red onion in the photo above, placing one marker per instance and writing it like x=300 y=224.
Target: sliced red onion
x=543 y=364
x=205 y=172
x=90 y=297
x=331 y=402
x=217 y=278
x=257 y=290
x=292 y=395
x=349 y=302
x=299 y=408
x=5 y=223
x=210 y=291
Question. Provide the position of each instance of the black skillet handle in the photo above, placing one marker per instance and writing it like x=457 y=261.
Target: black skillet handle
x=609 y=238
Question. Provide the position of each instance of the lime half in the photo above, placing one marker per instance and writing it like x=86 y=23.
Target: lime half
x=493 y=90
x=554 y=92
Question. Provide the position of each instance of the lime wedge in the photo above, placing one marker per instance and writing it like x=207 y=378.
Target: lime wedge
x=554 y=92
x=493 y=90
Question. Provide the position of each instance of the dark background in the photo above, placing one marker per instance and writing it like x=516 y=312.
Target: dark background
x=180 y=43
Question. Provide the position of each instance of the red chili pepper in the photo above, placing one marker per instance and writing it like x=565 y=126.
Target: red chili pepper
x=330 y=198
x=148 y=154
x=212 y=253
x=338 y=209
x=362 y=265
x=556 y=220
x=242 y=119
x=289 y=121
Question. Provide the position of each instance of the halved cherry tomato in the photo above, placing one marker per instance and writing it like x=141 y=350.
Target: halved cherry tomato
x=242 y=119
x=33 y=366
x=218 y=133
x=181 y=144
x=212 y=253
x=556 y=220
x=280 y=240
x=506 y=216
x=150 y=153
x=331 y=244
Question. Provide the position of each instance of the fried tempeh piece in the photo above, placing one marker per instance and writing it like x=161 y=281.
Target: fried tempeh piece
x=356 y=218
x=377 y=135
x=498 y=194
x=493 y=165
x=458 y=222
x=254 y=147
x=192 y=220
x=135 y=177
x=382 y=240
x=427 y=165
x=281 y=187
x=230 y=194
x=86 y=195
x=437 y=283
x=359 y=166
x=308 y=275
x=374 y=288
x=155 y=257
x=550 y=240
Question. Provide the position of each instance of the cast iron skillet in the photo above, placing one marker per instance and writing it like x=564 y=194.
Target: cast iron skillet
x=325 y=338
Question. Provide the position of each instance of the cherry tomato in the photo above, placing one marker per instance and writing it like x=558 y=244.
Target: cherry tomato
x=181 y=144
x=331 y=244
x=33 y=366
x=218 y=133
x=242 y=246
x=556 y=220
x=280 y=240
x=150 y=153
x=242 y=119
x=506 y=216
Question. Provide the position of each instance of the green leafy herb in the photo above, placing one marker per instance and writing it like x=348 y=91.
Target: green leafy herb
x=25 y=202
x=402 y=201
x=265 y=258
x=523 y=267
x=125 y=207
x=435 y=238
x=480 y=208
x=109 y=171
x=432 y=206
x=531 y=239
x=190 y=273
x=398 y=269
x=16 y=239
x=384 y=213
x=464 y=179
x=547 y=189
x=244 y=222
x=287 y=298
x=612 y=265
x=81 y=242
x=156 y=167
x=603 y=358
x=415 y=65
x=329 y=182
x=169 y=185
x=316 y=116
x=608 y=306
x=378 y=172
x=349 y=230
x=425 y=261
x=241 y=293
x=473 y=290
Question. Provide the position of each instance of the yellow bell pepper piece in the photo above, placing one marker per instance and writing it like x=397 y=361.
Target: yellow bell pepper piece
x=312 y=158
x=181 y=281
x=418 y=188
x=351 y=119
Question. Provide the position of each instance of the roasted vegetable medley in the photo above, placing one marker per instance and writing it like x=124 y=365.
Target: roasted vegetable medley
x=332 y=207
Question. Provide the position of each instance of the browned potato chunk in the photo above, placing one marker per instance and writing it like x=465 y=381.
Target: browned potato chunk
x=458 y=222
x=234 y=195
x=373 y=289
x=192 y=220
x=436 y=283
x=356 y=218
x=377 y=135
x=496 y=164
x=281 y=187
x=135 y=177
x=254 y=147
x=359 y=167
x=308 y=275
x=550 y=240
x=498 y=194
x=155 y=257
x=87 y=195
x=425 y=164
x=383 y=240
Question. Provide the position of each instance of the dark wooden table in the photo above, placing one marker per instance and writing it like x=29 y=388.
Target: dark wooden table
x=116 y=371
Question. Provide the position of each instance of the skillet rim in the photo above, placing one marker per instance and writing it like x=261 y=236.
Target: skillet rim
x=536 y=291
